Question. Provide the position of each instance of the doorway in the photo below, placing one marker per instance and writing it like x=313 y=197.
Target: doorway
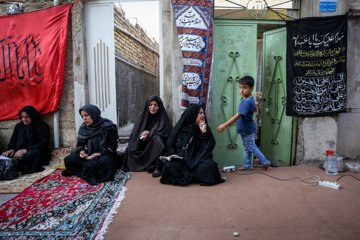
x=258 y=49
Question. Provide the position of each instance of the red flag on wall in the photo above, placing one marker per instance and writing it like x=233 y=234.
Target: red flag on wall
x=32 y=60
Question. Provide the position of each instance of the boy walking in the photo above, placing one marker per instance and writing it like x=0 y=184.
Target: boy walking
x=246 y=126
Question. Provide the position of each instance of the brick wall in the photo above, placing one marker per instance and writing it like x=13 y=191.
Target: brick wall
x=133 y=44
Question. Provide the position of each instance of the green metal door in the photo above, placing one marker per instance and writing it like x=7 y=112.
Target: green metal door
x=277 y=129
x=234 y=57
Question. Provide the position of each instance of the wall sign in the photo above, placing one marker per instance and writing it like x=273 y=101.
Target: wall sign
x=316 y=66
x=194 y=21
x=327 y=6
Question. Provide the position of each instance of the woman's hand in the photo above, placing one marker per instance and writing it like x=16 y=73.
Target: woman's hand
x=202 y=126
x=8 y=153
x=93 y=155
x=83 y=154
x=144 y=135
x=19 y=153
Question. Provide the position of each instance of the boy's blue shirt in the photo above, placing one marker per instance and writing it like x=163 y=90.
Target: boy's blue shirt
x=246 y=124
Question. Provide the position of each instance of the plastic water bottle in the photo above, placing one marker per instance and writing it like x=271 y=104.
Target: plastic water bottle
x=330 y=163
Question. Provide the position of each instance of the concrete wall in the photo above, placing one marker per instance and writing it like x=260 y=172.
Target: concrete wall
x=172 y=64
x=74 y=75
x=341 y=132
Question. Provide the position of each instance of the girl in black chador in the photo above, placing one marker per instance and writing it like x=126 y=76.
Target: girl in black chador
x=30 y=142
x=192 y=140
x=95 y=159
x=147 y=138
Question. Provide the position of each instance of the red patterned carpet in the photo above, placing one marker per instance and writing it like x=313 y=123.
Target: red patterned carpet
x=56 y=207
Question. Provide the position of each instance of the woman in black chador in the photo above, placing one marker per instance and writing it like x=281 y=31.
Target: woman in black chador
x=95 y=159
x=30 y=142
x=147 y=139
x=192 y=140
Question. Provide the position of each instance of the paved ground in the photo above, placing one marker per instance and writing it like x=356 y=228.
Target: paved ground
x=5 y=197
x=255 y=206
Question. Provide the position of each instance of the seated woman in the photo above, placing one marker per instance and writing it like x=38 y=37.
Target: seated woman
x=147 y=138
x=192 y=140
x=30 y=142
x=95 y=159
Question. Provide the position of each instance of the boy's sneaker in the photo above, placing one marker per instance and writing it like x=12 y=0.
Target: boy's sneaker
x=265 y=167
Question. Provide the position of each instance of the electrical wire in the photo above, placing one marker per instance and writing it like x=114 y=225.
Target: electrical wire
x=308 y=181
x=349 y=175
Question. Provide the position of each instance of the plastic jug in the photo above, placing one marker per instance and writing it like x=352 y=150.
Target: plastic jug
x=330 y=163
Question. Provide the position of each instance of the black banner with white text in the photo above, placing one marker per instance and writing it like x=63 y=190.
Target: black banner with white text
x=316 y=66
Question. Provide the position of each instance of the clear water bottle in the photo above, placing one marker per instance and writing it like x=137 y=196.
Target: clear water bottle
x=330 y=163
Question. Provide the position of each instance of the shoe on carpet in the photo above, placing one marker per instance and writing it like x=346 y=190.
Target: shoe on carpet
x=156 y=173
x=66 y=173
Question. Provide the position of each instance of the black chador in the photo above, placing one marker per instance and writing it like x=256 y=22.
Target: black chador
x=141 y=154
x=187 y=141
x=34 y=138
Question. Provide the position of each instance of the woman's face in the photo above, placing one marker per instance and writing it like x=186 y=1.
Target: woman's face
x=200 y=116
x=25 y=118
x=86 y=118
x=153 y=107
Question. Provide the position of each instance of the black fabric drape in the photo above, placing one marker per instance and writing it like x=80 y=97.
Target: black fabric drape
x=140 y=154
x=316 y=66
x=34 y=138
x=195 y=147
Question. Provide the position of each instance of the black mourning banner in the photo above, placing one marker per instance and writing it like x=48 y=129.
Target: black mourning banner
x=316 y=66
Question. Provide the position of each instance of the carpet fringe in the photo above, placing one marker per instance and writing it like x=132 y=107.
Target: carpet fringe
x=110 y=216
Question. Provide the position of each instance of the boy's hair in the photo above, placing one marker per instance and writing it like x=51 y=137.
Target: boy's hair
x=247 y=80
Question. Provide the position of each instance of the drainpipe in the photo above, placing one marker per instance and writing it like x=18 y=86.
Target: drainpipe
x=56 y=114
x=56 y=129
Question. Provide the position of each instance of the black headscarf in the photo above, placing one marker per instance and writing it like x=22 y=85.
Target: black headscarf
x=141 y=154
x=94 y=135
x=25 y=133
x=32 y=112
x=155 y=123
x=187 y=119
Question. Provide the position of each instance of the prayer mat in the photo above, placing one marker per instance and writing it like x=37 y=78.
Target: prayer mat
x=58 y=207
x=23 y=181
x=194 y=22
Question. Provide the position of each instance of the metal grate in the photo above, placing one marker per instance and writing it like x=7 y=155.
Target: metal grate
x=101 y=70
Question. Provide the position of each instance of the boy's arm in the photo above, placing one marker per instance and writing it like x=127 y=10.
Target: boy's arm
x=222 y=127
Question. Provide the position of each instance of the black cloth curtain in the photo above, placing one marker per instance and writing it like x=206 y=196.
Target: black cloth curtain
x=140 y=154
x=316 y=66
x=186 y=140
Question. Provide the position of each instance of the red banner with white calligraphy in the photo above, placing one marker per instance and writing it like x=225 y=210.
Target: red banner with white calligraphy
x=32 y=60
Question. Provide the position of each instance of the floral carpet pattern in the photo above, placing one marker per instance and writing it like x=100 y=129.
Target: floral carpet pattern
x=58 y=207
x=23 y=181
